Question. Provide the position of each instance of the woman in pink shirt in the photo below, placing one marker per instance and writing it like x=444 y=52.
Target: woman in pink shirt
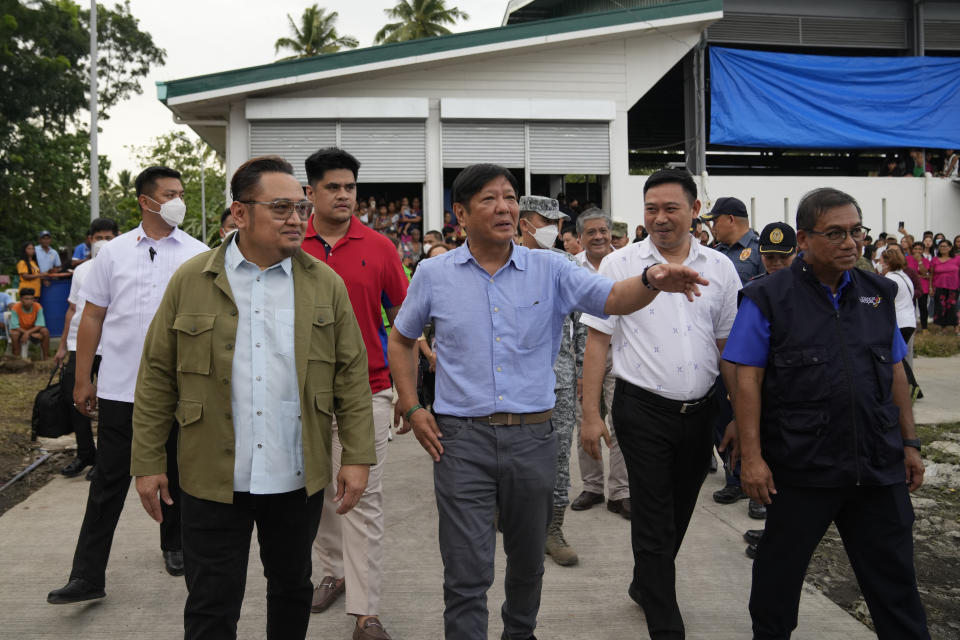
x=921 y=265
x=945 y=280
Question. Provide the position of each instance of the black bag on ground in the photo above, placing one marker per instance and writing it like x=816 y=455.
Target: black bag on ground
x=51 y=415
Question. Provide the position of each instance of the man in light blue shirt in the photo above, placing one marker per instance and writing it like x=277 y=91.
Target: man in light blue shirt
x=498 y=310
x=47 y=259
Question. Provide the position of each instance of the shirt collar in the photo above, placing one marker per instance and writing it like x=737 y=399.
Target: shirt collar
x=233 y=258
x=177 y=235
x=647 y=250
x=746 y=238
x=354 y=231
x=518 y=256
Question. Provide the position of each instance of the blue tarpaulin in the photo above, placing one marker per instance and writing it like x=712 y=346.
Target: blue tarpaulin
x=787 y=100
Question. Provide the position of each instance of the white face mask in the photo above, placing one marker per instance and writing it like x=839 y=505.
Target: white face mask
x=172 y=211
x=545 y=236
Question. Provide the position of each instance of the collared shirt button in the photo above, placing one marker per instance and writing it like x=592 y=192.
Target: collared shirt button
x=233 y=312
x=498 y=338
x=259 y=446
x=499 y=369
x=226 y=381
x=491 y=279
x=298 y=473
x=256 y=310
x=229 y=346
x=499 y=397
x=259 y=412
x=259 y=378
x=496 y=308
x=258 y=345
x=258 y=278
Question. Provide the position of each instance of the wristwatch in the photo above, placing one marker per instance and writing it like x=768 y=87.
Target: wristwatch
x=915 y=443
x=645 y=281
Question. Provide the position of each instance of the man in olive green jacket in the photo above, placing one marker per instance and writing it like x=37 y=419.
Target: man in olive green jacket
x=253 y=350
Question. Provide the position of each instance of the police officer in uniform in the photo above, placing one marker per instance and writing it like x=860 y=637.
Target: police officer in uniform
x=730 y=225
x=825 y=424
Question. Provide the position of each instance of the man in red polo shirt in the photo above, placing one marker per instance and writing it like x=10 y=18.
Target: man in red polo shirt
x=348 y=551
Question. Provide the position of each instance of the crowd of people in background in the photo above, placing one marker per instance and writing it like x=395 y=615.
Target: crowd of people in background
x=917 y=163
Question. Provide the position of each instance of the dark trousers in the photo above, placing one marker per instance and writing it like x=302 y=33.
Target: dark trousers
x=923 y=302
x=108 y=491
x=875 y=524
x=86 y=449
x=483 y=469
x=216 y=545
x=667 y=456
x=722 y=416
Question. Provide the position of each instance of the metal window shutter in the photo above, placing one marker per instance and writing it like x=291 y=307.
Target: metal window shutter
x=293 y=140
x=387 y=151
x=562 y=148
x=466 y=143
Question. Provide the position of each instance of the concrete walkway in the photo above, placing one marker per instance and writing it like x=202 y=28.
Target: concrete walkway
x=586 y=602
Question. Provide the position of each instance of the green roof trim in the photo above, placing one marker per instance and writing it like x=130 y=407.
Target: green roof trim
x=427 y=46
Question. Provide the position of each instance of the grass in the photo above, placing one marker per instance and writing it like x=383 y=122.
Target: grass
x=936 y=345
x=931 y=433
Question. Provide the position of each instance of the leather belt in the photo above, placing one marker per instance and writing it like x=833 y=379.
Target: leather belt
x=515 y=419
x=674 y=406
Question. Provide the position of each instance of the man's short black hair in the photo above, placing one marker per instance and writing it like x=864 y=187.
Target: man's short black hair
x=569 y=227
x=247 y=177
x=676 y=176
x=147 y=180
x=329 y=159
x=104 y=224
x=224 y=216
x=469 y=181
x=817 y=202
x=28 y=291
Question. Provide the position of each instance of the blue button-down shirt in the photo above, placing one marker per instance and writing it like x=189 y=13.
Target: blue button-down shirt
x=745 y=255
x=264 y=394
x=497 y=336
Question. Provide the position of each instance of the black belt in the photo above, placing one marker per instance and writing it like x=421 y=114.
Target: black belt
x=674 y=406
x=511 y=419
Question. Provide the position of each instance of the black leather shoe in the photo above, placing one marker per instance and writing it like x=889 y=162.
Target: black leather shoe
x=751 y=551
x=753 y=536
x=729 y=495
x=75 y=468
x=634 y=594
x=90 y=473
x=621 y=506
x=756 y=510
x=173 y=560
x=77 y=590
x=586 y=500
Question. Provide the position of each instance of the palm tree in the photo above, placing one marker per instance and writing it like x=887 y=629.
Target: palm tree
x=418 y=19
x=316 y=35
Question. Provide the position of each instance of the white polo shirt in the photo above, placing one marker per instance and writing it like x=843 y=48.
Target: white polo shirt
x=670 y=346
x=130 y=284
x=79 y=275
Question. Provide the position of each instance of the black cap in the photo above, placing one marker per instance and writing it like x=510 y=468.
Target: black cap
x=778 y=237
x=727 y=207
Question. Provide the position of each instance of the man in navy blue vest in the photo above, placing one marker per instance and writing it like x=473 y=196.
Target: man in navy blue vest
x=825 y=423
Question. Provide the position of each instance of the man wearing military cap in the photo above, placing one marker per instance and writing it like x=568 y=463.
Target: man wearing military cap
x=778 y=246
x=618 y=235
x=538 y=224
x=730 y=225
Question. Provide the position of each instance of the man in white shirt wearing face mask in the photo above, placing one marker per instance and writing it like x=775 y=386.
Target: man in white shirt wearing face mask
x=540 y=220
x=122 y=291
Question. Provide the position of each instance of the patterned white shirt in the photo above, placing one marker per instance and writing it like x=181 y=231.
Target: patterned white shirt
x=670 y=346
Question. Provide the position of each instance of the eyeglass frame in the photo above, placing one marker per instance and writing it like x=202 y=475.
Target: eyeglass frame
x=294 y=207
x=865 y=231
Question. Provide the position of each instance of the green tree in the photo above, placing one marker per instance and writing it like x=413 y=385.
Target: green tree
x=315 y=36
x=177 y=151
x=418 y=19
x=44 y=141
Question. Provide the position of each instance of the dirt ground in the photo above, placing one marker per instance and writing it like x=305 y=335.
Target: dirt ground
x=936 y=531
x=936 y=539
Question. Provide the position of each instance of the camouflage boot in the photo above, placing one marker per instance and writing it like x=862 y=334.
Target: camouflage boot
x=557 y=547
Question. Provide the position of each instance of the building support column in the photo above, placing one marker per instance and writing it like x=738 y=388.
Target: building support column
x=695 y=108
x=238 y=142
x=433 y=187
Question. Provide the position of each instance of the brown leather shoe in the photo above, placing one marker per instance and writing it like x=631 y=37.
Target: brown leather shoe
x=371 y=630
x=621 y=506
x=326 y=593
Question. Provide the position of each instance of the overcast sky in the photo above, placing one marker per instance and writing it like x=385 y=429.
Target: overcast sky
x=208 y=36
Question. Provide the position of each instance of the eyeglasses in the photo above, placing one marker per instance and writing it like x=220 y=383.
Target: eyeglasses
x=281 y=209
x=837 y=236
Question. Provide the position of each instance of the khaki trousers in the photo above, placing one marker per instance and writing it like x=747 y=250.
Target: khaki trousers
x=350 y=546
x=591 y=471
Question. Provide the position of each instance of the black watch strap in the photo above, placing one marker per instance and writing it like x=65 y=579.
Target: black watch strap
x=915 y=443
x=645 y=281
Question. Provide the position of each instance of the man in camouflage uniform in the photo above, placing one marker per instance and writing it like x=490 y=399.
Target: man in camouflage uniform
x=539 y=225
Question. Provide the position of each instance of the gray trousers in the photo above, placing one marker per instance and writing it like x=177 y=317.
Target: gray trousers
x=591 y=471
x=483 y=469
